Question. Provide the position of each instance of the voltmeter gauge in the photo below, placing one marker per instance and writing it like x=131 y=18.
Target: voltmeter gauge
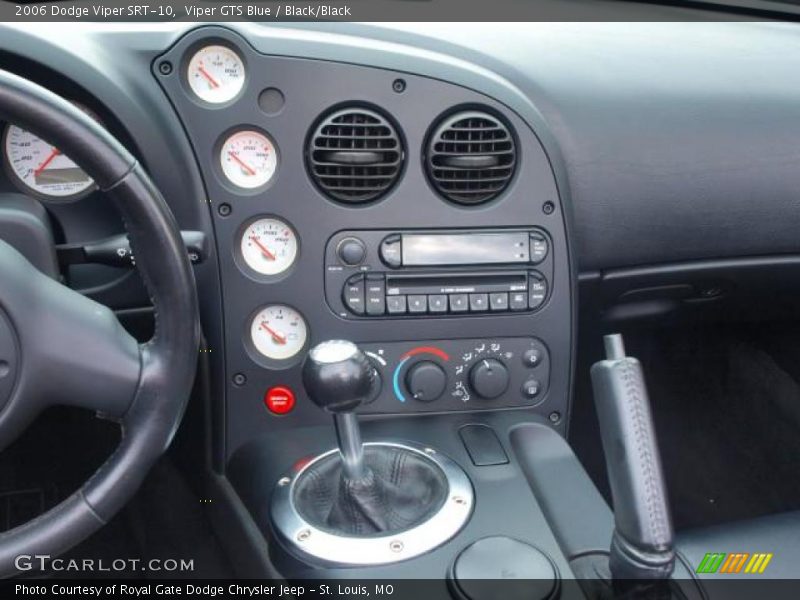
x=248 y=159
x=216 y=74
x=278 y=332
x=268 y=246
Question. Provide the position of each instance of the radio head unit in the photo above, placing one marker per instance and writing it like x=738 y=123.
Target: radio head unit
x=390 y=274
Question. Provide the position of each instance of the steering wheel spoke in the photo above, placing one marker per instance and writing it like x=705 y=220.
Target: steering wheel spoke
x=90 y=360
x=75 y=350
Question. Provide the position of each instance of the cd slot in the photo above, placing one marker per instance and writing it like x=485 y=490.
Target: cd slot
x=456 y=284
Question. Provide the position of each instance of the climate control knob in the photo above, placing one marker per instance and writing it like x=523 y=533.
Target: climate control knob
x=426 y=381
x=489 y=378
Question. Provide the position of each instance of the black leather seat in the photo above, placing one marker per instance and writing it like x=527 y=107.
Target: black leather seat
x=777 y=534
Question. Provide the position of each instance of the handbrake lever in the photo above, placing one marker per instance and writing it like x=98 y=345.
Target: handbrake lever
x=642 y=544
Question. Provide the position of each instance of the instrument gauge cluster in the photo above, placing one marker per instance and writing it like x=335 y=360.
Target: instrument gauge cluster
x=246 y=160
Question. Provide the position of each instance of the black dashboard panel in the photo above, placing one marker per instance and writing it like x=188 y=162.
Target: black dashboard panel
x=681 y=148
x=311 y=88
x=653 y=147
x=680 y=142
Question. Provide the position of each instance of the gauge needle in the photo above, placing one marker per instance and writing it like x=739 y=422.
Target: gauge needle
x=243 y=164
x=264 y=250
x=47 y=161
x=275 y=335
x=210 y=79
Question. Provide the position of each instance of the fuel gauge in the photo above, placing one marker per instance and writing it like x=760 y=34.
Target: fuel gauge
x=278 y=332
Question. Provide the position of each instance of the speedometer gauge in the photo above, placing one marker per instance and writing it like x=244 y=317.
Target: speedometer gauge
x=216 y=74
x=248 y=159
x=268 y=246
x=39 y=168
x=278 y=332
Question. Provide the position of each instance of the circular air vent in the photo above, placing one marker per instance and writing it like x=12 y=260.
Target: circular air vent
x=470 y=157
x=355 y=155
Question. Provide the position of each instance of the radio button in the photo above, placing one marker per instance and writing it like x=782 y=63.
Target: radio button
x=479 y=302
x=417 y=303
x=375 y=295
x=437 y=303
x=351 y=251
x=537 y=290
x=392 y=251
x=353 y=295
x=498 y=301
x=518 y=301
x=459 y=303
x=396 y=305
x=538 y=248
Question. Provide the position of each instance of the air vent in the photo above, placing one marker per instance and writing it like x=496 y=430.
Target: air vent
x=355 y=155
x=470 y=157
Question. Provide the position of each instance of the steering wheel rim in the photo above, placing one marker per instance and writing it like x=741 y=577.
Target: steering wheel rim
x=163 y=368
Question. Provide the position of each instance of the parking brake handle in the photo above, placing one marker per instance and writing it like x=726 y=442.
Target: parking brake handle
x=642 y=544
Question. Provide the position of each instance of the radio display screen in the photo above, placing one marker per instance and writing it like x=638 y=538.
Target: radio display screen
x=465 y=249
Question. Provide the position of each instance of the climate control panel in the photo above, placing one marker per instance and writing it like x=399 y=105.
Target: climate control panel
x=466 y=374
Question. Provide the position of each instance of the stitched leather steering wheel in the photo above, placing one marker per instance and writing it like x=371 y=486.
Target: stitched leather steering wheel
x=59 y=347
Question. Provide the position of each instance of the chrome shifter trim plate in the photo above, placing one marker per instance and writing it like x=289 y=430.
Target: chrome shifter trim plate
x=331 y=549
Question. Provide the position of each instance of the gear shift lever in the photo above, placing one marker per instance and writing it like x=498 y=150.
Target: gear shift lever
x=339 y=378
x=363 y=504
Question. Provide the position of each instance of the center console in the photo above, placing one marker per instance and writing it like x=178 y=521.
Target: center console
x=419 y=219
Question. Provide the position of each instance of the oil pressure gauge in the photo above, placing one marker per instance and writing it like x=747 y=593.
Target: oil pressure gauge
x=268 y=246
x=278 y=333
x=216 y=74
x=248 y=159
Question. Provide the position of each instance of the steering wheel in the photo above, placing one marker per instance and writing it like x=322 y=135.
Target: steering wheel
x=59 y=347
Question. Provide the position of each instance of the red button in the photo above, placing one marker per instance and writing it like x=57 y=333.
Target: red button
x=279 y=399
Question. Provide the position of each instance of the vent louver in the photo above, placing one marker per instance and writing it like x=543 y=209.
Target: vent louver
x=470 y=157
x=355 y=155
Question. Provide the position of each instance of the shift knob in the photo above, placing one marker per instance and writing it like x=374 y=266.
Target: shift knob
x=338 y=376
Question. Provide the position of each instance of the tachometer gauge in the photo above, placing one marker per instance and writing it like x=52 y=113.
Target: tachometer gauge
x=278 y=332
x=216 y=74
x=268 y=246
x=41 y=169
x=248 y=159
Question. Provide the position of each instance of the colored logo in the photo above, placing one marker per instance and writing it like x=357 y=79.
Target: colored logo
x=734 y=563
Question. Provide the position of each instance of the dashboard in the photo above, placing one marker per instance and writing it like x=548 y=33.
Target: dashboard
x=436 y=199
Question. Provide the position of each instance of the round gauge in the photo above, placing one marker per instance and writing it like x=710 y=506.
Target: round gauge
x=40 y=168
x=248 y=159
x=216 y=74
x=278 y=332
x=268 y=246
